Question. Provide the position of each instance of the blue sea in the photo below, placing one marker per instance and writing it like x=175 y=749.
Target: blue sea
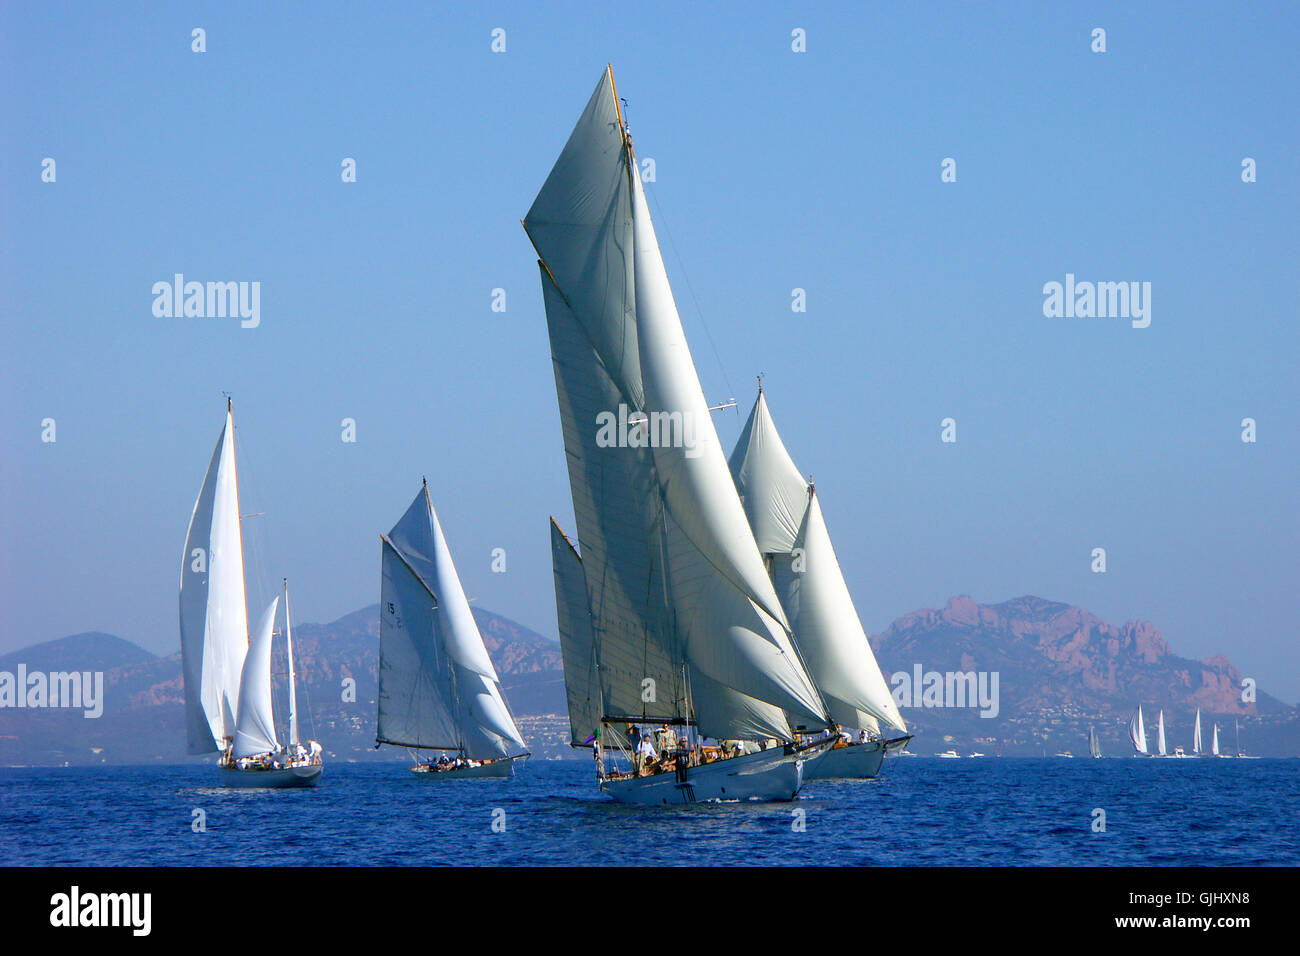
x=921 y=811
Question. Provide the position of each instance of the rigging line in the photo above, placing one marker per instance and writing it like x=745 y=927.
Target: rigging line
x=691 y=289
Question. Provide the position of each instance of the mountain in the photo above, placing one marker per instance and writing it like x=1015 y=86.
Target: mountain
x=1059 y=670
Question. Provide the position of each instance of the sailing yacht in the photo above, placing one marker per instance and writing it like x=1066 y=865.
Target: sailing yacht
x=438 y=689
x=1196 y=735
x=786 y=517
x=1160 y=735
x=1138 y=734
x=1094 y=744
x=228 y=678
x=1214 y=743
x=677 y=652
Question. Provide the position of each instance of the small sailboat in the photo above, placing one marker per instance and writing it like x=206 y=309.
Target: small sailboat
x=677 y=653
x=785 y=514
x=228 y=678
x=438 y=689
x=1138 y=733
x=1094 y=744
x=1214 y=742
x=1196 y=734
x=1160 y=735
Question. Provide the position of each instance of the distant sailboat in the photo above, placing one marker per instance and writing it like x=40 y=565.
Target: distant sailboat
x=228 y=678
x=785 y=514
x=677 y=652
x=1094 y=744
x=1160 y=735
x=1214 y=742
x=1137 y=733
x=438 y=689
x=1196 y=733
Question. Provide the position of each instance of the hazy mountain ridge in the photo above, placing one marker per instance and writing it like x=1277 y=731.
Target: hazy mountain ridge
x=1061 y=669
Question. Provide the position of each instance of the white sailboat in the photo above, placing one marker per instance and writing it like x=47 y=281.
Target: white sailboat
x=228 y=679
x=1138 y=734
x=786 y=516
x=668 y=619
x=438 y=689
x=1214 y=742
x=1160 y=735
x=1196 y=734
x=1094 y=744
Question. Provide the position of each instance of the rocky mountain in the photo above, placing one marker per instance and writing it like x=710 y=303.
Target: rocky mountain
x=1059 y=670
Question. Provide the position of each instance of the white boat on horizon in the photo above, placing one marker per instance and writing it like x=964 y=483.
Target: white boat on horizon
x=678 y=655
x=227 y=676
x=949 y=755
x=1137 y=734
x=438 y=689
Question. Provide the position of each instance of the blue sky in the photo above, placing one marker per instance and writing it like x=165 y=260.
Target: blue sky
x=775 y=170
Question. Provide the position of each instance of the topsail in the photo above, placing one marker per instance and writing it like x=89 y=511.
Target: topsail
x=685 y=623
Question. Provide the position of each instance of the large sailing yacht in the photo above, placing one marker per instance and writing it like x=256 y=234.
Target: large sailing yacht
x=228 y=679
x=438 y=689
x=786 y=517
x=677 y=652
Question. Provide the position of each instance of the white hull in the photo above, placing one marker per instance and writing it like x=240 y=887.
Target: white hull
x=857 y=761
x=497 y=768
x=767 y=775
x=272 y=779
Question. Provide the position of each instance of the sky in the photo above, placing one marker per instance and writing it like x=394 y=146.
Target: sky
x=775 y=170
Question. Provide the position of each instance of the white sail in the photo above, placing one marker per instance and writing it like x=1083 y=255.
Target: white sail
x=1214 y=741
x=1094 y=744
x=577 y=641
x=213 y=615
x=1196 y=733
x=1160 y=734
x=808 y=578
x=774 y=493
x=1137 y=733
x=255 y=722
x=293 y=692
x=437 y=686
x=709 y=612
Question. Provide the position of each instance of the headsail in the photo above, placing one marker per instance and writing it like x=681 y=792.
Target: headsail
x=1136 y=732
x=437 y=685
x=675 y=573
x=788 y=524
x=255 y=723
x=213 y=614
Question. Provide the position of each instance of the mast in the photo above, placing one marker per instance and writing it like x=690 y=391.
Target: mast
x=293 y=697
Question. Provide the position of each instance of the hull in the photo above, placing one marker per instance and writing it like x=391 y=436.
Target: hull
x=272 y=779
x=767 y=775
x=497 y=768
x=854 y=762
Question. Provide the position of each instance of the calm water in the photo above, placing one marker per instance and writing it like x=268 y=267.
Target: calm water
x=970 y=811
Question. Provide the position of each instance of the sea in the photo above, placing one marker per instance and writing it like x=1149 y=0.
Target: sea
x=921 y=811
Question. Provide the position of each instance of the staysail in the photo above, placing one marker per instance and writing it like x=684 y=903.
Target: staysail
x=437 y=686
x=786 y=517
x=1136 y=732
x=686 y=623
x=213 y=614
x=255 y=721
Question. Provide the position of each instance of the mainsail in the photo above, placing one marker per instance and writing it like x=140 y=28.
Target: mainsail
x=213 y=615
x=1196 y=733
x=1160 y=734
x=255 y=721
x=437 y=686
x=1136 y=732
x=786 y=517
x=685 y=623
